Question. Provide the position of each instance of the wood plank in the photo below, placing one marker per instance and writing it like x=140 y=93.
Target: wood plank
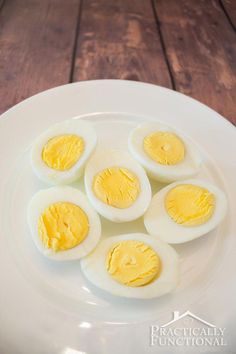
x=36 y=46
x=201 y=49
x=119 y=39
x=230 y=9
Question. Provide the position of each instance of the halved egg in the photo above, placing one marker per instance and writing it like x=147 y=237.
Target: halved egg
x=59 y=154
x=133 y=266
x=165 y=154
x=63 y=224
x=117 y=186
x=185 y=210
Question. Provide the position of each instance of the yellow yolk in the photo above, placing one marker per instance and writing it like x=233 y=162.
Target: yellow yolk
x=164 y=147
x=62 y=152
x=133 y=263
x=62 y=226
x=117 y=187
x=190 y=205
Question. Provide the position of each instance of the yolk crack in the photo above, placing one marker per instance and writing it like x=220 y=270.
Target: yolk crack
x=190 y=205
x=62 y=152
x=133 y=263
x=164 y=147
x=117 y=187
x=62 y=226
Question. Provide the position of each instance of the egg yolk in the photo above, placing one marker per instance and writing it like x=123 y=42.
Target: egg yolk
x=116 y=186
x=190 y=205
x=164 y=147
x=62 y=226
x=63 y=151
x=133 y=263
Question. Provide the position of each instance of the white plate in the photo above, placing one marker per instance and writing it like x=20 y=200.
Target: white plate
x=48 y=307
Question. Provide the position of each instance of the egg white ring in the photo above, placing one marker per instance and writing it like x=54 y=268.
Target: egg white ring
x=94 y=268
x=99 y=162
x=78 y=127
x=158 y=222
x=187 y=168
x=42 y=199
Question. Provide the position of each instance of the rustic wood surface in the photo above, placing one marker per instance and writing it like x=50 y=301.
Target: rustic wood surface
x=119 y=39
x=229 y=7
x=36 y=47
x=201 y=49
x=186 y=45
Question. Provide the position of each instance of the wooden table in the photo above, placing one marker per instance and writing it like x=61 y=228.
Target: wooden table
x=186 y=45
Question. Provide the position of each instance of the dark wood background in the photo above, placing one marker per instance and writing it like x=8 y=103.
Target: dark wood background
x=186 y=45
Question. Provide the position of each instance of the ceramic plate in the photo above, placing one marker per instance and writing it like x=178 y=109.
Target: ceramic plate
x=49 y=307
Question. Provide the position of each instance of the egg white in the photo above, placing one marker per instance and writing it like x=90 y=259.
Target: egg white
x=159 y=223
x=74 y=126
x=187 y=168
x=101 y=160
x=42 y=199
x=94 y=268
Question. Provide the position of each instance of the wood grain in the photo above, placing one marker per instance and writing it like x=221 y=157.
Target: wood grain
x=230 y=9
x=36 y=46
x=201 y=50
x=119 y=39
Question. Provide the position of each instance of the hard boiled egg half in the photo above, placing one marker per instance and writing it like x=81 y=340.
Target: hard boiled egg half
x=133 y=266
x=63 y=224
x=116 y=185
x=59 y=154
x=185 y=210
x=165 y=154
